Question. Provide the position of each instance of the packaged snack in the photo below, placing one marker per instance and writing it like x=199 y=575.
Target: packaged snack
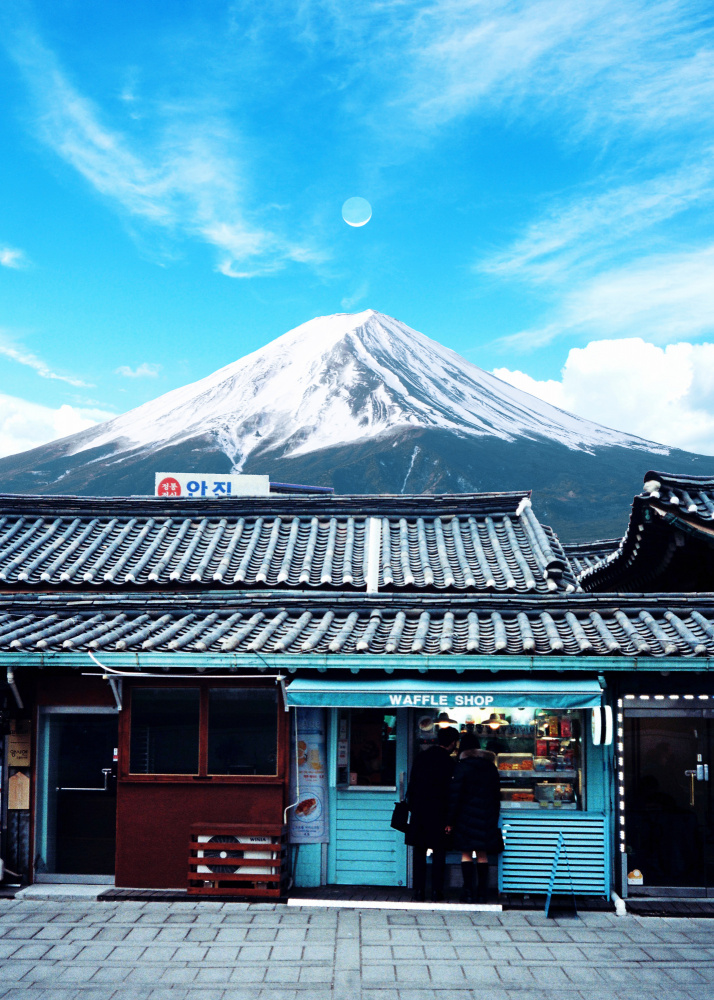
x=566 y=729
x=515 y=762
x=541 y=748
x=541 y=764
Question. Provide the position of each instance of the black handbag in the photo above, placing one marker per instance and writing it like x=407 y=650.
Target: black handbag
x=497 y=846
x=400 y=817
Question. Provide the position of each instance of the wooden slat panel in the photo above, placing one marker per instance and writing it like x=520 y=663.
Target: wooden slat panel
x=530 y=847
x=365 y=844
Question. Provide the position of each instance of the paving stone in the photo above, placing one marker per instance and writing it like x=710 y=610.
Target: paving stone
x=178 y=974
x=213 y=975
x=315 y=974
x=222 y=954
x=321 y=952
x=402 y=951
x=248 y=974
x=190 y=953
x=27 y=951
x=254 y=953
x=229 y=935
x=685 y=975
x=286 y=953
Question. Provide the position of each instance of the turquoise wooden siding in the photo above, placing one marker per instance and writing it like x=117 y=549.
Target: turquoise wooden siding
x=307 y=865
x=526 y=863
x=367 y=851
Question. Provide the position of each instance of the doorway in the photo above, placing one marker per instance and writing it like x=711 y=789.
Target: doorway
x=77 y=796
x=669 y=806
x=368 y=765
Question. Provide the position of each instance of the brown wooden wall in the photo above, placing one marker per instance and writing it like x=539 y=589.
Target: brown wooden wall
x=155 y=813
x=154 y=819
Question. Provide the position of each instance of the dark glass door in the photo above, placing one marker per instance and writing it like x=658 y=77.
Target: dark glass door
x=79 y=820
x=669 y=804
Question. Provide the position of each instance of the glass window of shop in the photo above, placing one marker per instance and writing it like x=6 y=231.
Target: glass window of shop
x=223 y=732
x=538 y=751
x=366 y=748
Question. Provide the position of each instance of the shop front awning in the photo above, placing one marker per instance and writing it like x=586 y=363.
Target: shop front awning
x=404 y=693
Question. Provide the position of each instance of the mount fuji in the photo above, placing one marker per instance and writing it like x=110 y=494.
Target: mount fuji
x=363 y=403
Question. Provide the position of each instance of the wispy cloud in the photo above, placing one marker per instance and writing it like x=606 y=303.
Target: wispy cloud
x=643 y=64
x=145 y=370
x=13 y=258
x=583 y=231
x=11 y=350
x=190 y=179
x=661 y=297
x=360 y=293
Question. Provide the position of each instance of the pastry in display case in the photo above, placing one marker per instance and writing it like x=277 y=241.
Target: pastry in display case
x=538 y=751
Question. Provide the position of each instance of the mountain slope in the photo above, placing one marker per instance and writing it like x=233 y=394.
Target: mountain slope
x=366 y=404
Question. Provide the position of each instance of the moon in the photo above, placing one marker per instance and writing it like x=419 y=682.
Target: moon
x=356 y=212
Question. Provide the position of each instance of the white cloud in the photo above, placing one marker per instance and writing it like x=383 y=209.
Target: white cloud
x=585 y=229
x=360 y=293
x=26 y=425
x=664 y=394
x=145 y=370
x=11 y=257
x=640 y=64
x=189 y=179
x=664 y=295
x=25 y=357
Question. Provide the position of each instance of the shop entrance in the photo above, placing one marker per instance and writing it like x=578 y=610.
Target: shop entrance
x=77 y=796
x=669 y=807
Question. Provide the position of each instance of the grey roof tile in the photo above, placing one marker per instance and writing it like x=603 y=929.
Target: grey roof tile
x=393 y=625
x=478 y=542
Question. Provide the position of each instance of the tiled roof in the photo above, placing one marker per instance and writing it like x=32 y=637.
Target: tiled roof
x=584 y=555
x=482 y=542
x=692 y=496
x=353 y=624
x=668 y=543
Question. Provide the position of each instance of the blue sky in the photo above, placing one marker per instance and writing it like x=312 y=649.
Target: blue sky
x=541 y=175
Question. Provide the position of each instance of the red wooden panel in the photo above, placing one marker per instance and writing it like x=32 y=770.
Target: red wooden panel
x=154 y=821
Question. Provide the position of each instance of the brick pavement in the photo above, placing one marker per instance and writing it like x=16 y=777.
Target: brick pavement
x=233 y=951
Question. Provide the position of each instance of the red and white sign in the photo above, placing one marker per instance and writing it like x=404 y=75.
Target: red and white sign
x=170 y=485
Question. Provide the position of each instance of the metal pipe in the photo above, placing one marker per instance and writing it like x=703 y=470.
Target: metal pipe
x=13 y=687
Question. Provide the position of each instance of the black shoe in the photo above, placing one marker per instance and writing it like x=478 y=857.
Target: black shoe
x=419 y=896
x=466 y=896
x=437 y=897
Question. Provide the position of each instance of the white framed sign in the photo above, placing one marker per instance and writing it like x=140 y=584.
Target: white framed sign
x=180 y=485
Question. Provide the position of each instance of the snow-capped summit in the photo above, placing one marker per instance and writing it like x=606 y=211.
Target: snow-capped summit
x=340 y=379
x=361 y=402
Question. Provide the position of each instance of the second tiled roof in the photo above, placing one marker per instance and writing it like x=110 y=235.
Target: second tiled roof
x=488 y=542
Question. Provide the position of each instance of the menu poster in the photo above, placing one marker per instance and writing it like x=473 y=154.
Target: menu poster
x=308 y=779
x=18 y=743
x=18 y=791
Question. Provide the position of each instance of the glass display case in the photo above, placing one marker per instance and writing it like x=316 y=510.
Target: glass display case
x=538 y=752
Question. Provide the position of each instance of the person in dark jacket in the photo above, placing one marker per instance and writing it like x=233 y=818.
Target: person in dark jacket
x=474 y=808
x=428 y=800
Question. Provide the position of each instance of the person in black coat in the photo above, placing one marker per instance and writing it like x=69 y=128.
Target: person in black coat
x=428 y=800
x=473 y=813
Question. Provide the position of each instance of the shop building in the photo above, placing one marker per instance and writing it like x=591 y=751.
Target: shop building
x=253 y=660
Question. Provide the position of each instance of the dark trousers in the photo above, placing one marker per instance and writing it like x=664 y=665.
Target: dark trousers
x=438 y=868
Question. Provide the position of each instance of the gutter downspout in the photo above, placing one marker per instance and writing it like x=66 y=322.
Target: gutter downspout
x=13 y=687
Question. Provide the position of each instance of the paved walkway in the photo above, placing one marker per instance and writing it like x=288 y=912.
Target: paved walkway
x=230 y=951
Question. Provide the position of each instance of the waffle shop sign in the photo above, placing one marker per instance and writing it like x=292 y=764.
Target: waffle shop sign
x=440 y=700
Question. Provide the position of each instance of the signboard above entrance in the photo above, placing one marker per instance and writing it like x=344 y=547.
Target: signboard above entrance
x=536 y=693
x=195 y=484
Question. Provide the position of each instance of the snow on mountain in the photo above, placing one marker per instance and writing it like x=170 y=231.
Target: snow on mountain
x=341 y=379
